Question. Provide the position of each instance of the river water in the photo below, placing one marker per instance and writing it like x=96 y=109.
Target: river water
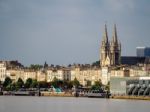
x=70 y=104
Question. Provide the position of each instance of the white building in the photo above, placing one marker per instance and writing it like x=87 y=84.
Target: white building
x=60 y=74
x=105 y=75
x=15 y=74
x=85 y=75
x=29 y=74
x=2 y=71
x=41 y=76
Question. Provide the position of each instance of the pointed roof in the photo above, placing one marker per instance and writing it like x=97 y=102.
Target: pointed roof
x=115 y=38
x=105 y=35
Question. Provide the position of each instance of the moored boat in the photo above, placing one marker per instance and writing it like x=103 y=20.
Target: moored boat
x=97 y=94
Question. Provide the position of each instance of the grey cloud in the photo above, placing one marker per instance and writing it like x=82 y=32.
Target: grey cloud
x=68 y=31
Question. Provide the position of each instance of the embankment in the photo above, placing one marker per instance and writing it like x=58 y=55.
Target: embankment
x=132 y=97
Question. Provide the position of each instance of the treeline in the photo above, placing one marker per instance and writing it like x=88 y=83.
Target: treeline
x=9 y=85
x=16 y=64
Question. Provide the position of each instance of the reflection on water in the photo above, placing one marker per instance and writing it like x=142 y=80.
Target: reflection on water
x=69 y=104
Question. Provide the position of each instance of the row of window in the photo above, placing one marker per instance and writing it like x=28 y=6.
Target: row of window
x=2 y=76
x=2 y=70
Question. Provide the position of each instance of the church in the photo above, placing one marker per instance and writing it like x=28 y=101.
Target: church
x=110 y=51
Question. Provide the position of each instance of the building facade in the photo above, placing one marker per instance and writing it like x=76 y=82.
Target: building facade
x=138 y=86
x=15 y=74
x=143 y=51
x=29 y=74
x=2 y=71
x=86 y=75
x=60 y=74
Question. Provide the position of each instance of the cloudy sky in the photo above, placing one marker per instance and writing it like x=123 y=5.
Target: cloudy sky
x=69 y=31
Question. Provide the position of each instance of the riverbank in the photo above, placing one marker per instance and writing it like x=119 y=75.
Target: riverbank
x=62 y=94
x=70 y=94
x=34 y=93
x=131 y=97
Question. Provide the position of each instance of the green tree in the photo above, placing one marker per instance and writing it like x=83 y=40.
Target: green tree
x=107 y=87
x=28 y=83
x=7 y=82
x=67 y=84
x=35 y=67
x=97 y=86
x=55 y=82
x=97 y=63
x=34 y=83
x=19 y=83
x=43 y=84
x=13 y=87
x=76 y=82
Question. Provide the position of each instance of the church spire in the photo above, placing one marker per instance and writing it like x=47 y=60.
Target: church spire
x=114 y=38
x=105 y=35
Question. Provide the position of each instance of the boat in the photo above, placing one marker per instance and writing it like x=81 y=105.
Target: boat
x=24 y=93
x=97 y=94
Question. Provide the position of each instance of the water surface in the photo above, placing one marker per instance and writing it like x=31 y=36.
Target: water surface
x=70 y=104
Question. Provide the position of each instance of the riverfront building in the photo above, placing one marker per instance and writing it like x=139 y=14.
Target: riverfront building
x=86 y=74
x=130 y=86
x=62 y=73
x=2 y=71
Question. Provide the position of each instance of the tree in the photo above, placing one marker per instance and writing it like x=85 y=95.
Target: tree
x=76 y=82
x=107 y=87
x=19 y=83
x=43 y=84
x=67 y=84
x=55 y=82
x=13 y=87
x=97 y=63
x=34 y=83
x=7 y=82
x=28 y=83
x=35 y=67
x=97 y=85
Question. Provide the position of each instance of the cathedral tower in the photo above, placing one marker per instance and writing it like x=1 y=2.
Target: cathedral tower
x=110 y=51
x=105 y=49
x=115 y=49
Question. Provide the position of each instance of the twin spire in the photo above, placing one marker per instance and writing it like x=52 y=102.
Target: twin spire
x=110 y=51
x=105 y=36
x=114 y=37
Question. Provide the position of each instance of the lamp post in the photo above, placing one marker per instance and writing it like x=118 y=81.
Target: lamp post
x=39 y=93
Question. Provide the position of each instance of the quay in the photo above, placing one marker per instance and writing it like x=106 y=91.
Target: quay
x=56 y=94
x=131 y=97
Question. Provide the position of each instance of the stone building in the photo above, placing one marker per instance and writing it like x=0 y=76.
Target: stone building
x=15 y=74
x=59 y=73
x=28 y=73
x=2 y=71
x=110 y=52
x=85 y=75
